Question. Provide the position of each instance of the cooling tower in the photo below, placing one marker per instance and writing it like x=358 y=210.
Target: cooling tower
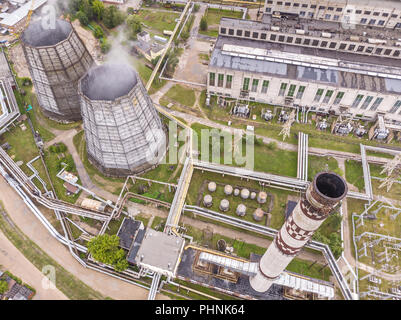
x=321 y=198
x=57 y=59
x=123 y=131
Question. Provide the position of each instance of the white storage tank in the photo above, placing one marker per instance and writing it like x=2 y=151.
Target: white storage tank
x=236 y=192
x=212 y=186
x=262 y=197
x=245 y=194
x=253 y=195
x=207 y=201
x=258 y=215
x=241 y=210
x=224 y=205
x=228 y=189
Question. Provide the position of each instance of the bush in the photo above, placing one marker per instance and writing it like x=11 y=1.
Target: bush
x=3 y=286
x=272 y=145
x=203 y=24
x=83 y=18
x=105 y=46
x=98 y=32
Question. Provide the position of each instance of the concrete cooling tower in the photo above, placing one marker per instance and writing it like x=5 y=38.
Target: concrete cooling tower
x=123 y=131
x=57 y=58
x=321 y=198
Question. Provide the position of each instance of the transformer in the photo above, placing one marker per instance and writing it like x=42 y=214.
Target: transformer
x=283 y=117
x=57 y=58
x=123 y=131
x=360 y=131
x=267 y=114
x=322 y=125
x=241 y=111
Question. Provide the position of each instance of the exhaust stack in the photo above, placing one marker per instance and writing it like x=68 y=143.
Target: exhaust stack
x=321 y=198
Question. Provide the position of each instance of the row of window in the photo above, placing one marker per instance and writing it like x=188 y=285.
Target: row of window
x=313 y=6
x=325 y=44
x=253 y=86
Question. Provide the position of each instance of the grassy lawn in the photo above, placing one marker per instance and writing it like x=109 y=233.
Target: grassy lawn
x=279 y=161
x=66 y=282
x=354 y=174
x=182 y=95
x=52 y=160
x=158 y=20
x=317 y=164
x=214 y=16
x=145 y=73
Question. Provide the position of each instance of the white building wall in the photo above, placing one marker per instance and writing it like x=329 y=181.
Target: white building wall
x=272 y=97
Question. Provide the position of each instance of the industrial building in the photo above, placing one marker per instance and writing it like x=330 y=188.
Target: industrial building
x=124 y=133
x=309 y=64
x=57 y=58
x=384 y=14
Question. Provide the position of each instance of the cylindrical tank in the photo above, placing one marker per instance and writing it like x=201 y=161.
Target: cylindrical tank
x=241 y=210
x=244 y=194
x=253 y=195
x=221 y=245
x=123 y=131
x=228 y=190
x=57 y=58
x=320 y=200
x=207 y=201
x=258 y=214
x=224 y=205
x=262 y=196
x=212 y=186
x=236 y=192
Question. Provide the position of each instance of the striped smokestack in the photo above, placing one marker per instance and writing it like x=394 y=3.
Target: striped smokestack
x=320 y=199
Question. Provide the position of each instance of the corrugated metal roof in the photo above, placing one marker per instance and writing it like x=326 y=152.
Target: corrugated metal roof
x=323 y=75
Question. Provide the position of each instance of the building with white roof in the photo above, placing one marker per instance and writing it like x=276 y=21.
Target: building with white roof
x=16 y=19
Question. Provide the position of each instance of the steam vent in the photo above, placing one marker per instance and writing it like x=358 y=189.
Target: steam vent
x=123 y=131
x=57 y=58
x=320 y=199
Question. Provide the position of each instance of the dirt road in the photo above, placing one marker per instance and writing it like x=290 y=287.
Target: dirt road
x=15 y=262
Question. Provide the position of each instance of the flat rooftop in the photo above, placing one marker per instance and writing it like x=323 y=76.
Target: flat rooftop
x=300 y=63
x=128 y=231
x=159 y=251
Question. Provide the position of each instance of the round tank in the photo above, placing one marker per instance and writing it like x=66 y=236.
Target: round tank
x=258 y=214
x=228 y=190
x=123 y=131
x=244 y=194
x=57 y=58
x=262 y=196
x=207 y=201
x=221 y=245
x=241 y=210
x=253 y=195
x=212 y=186
x=224 y=205
x=236 y=192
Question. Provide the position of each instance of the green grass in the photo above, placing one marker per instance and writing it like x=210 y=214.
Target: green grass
x=157 y=20
x=318 y=164
x=267 y=158
x=182 y=95
x=66 y=282
x=158 y=223
x=214 y=16
x=51 y=160
x=145 y=73
x=354 y=174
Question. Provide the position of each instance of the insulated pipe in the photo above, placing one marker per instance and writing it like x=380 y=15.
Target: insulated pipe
x=321 y=198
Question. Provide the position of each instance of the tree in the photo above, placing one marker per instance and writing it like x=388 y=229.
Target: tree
x=196 y=8
x=98 y=9
x=112 y=17
x=105 y=249
x=134 y=26
x=3 y=286
x=74 y=6
x=335 y=244
x=86 y=8
x=203 y=24
x=83 y=18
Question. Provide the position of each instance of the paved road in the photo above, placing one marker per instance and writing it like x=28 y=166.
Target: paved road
x=30 y=225
x=13 y=260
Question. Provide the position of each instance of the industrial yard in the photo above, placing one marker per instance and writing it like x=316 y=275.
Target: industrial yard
x=149 y=154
